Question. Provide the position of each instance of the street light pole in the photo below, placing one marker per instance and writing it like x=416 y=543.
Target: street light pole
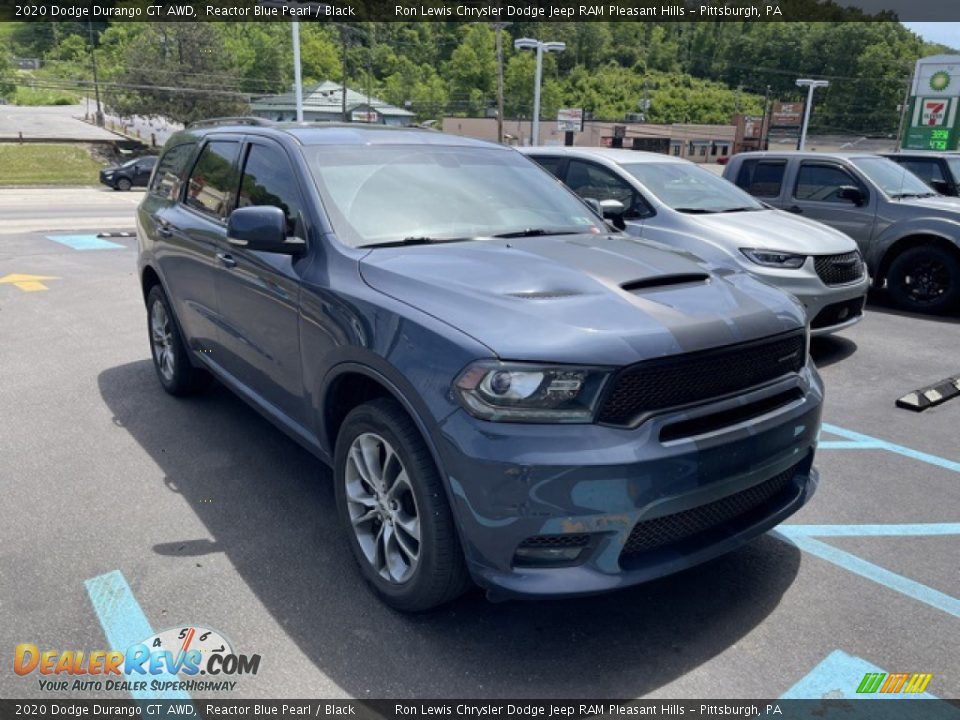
x=96 y=82
x=540 y=48
x=811 y=85
x=297 y=77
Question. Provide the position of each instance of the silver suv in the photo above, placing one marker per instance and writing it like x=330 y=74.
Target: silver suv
x=907 y=232
x=678 y=203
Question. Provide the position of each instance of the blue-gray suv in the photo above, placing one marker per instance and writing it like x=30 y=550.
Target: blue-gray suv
x=507 y=390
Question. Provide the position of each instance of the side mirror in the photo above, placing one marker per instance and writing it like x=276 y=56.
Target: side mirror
x=262 y=228
x=594 y=205
x=613 y=211
x=940 y=186
x=851 y=193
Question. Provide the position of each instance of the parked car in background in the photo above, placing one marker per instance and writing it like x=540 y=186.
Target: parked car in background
x=505 y=389
x=908 y=234
x=132 y=173
x=939 y=170
x=679 y=204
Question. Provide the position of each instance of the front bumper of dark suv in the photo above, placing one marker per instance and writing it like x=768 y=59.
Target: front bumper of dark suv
x=575 y=509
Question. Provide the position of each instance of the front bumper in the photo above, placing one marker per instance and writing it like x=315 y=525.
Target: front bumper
x=829 y=308
x=108 y=181
x=513 y=482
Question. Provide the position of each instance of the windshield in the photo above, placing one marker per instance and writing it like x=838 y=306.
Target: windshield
x=954 y=165
x=128 y=163
x=688 y=188
x=895 y=180
x=378 y=194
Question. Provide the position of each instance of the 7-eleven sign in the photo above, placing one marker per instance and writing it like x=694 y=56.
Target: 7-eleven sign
x=933 y=113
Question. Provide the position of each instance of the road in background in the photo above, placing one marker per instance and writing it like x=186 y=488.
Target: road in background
x=94 y=208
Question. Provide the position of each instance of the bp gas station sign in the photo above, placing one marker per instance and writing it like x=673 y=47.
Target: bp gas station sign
x=932 y=113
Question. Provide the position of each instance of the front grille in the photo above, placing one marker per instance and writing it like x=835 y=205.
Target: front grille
x=740 y=509
x=838 y=313
x=839 y=269
x=698 y=377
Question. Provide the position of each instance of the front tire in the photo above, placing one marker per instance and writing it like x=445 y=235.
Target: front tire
x=394 y=510
x=925 y=279
x=176 y=373
x=124 y=185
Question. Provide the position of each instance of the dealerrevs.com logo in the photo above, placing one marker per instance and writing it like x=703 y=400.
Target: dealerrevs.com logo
x=170 y=660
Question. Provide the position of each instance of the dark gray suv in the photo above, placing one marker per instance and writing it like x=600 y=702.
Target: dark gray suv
x=506 y=389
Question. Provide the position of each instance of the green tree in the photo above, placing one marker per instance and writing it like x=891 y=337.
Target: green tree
x=7 y=86
x=177 y=70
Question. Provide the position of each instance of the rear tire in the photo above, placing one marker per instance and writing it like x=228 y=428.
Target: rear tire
x=124 y=185
x=394 y=510
x=171 y=360
x=925 y=279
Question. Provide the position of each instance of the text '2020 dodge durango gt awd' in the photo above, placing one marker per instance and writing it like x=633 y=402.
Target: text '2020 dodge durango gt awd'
x=506 y=390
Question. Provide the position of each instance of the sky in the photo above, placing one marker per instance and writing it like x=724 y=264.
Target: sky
x=947 y=33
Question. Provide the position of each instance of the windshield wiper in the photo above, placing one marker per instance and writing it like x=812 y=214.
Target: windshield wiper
x=695 y=211
x=901 y=195
x=746 y=208
x=537 y=232
x=417 y=240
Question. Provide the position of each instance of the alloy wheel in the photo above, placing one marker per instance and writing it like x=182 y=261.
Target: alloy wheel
x=382 y=507
x=161 y=336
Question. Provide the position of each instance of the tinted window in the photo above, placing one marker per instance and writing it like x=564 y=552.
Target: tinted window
x=589 y=180
x=550 y=163
x=822 y=183
x=167 y=180
x=213 y=179
x=761 y=178
x=268 y=180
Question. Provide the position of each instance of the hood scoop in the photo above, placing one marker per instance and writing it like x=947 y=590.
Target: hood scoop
x=661 y=281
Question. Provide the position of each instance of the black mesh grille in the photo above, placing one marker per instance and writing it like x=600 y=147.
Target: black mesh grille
x=839 y=269
x=742 y=506
x=697 y=377
x=556 y=541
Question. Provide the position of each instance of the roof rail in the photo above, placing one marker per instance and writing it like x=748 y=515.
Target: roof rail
x=243 y=120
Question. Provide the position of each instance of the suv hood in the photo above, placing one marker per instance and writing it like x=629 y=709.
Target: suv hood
x=580 y=299
x=770 y=230
x=938 y=205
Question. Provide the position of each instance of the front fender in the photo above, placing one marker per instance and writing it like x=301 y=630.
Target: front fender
x=943 y=228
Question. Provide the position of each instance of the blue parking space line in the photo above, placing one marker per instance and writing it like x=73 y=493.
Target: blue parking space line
x=893 y=530
x=847 y=445
x=837 y=677
x=859 y=566
x=124 y=624
x=85 y=242
x=894 y=448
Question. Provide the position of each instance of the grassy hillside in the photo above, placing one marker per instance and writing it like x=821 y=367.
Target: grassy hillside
x=47 y=164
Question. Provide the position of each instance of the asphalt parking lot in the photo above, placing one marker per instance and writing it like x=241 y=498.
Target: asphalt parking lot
x=199 y=513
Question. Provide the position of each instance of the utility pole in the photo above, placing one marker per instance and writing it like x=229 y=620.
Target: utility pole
x=343 y=92
x=764 y=123
x=810 y=85
x=498 y=27
x=96 y=81
x=297 y=77
x=903 y=113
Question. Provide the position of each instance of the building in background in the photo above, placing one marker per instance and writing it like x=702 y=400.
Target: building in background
x=699 y=143
x=325 y=102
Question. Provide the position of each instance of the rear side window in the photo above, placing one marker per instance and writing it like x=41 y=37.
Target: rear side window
x=167 y=180
x=762 y=178
x=551 y=164
x=269 y=180
x=214 y=179
x=822 y=183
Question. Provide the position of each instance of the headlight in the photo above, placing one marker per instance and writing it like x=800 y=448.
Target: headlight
x=521 y=392
x=774 y=258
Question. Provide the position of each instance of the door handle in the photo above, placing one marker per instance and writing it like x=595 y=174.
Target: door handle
x=163 y=226
x=165 y=231
x=795 y=209
x=226 y=260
